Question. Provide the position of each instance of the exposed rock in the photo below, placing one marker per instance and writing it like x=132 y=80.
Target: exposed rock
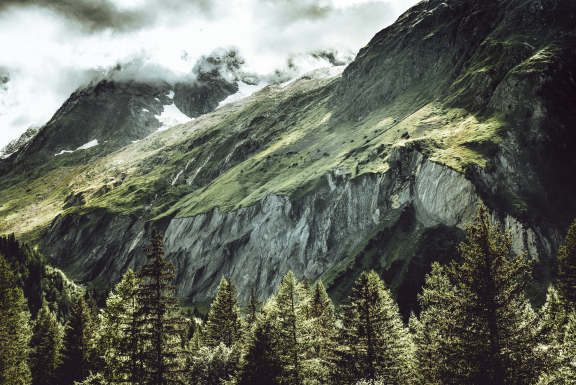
x=257 y=245
x=20 y=143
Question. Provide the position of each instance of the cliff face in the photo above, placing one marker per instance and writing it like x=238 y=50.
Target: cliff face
x=378 y=168
x=257 y=245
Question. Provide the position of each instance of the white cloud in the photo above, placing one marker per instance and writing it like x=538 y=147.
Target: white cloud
x=48 y=53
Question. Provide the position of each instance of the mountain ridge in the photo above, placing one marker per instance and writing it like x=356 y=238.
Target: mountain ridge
x=439 y=94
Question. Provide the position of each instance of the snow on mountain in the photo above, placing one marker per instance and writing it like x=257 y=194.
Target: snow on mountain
x=85 y=146
x=317 y=74
x=244 y=90
x=171 y=116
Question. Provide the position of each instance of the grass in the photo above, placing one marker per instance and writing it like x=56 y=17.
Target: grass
x=238 y=155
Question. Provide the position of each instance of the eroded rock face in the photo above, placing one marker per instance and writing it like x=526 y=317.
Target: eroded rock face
x=259 y=244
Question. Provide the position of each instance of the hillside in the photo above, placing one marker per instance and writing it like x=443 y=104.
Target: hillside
x=378 y=166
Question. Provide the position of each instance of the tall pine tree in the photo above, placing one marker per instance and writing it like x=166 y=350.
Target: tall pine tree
x=224 y=321
x=374 y=344
x=46 y=343
x=567 y=270
x=485 y=331
x=120 y=332
x=253 y=306
x=14 y=330
x=289 y=311
x=160 y=331
x=78 y=352
x=262 y=363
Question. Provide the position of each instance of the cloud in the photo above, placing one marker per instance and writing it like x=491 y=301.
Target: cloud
x=93 y=16
x=57 y=46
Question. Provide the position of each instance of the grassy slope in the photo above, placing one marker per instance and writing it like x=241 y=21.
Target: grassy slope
x=297 y=144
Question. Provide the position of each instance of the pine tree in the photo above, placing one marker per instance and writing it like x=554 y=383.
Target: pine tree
x=484 y=330
x=224 y=321
x=14 y=330
x=374 y=342
x=567 y=270
x=321 y=308
x=320 y=335
x=253 y=306
x=78 y=345
x=261 y=364
x=120 y=332
x=159 y=331
x=429 y=336
x=46 y=343
x=290 y=317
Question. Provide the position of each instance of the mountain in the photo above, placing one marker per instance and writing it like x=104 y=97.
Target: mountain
x=19 y=143
x=376 y=167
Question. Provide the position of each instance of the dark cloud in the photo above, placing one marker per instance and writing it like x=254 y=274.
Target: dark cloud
x=98 y=15
x=289 y=11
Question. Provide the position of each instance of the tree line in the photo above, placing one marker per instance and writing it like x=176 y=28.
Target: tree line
x=475 y=327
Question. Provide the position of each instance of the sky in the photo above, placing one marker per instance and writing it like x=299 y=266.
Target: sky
x=52 y=47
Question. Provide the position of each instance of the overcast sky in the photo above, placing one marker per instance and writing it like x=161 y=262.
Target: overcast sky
x=51 y=47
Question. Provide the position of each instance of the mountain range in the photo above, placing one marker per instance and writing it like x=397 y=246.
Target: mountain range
x=375 y=165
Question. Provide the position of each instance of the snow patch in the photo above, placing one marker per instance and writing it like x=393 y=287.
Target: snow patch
x=62 y=152
x=6 y=156
x=85 y=146
x=88 y=145
x=171 y=94
x=171 y=116
x=317 y=74
x=244 y=90
x=145 y=110
x=157 y=99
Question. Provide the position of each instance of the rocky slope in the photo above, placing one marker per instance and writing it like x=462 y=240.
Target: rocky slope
x=379 y=167
x=19 y=143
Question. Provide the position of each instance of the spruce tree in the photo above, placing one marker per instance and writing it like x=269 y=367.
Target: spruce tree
x=224 y=321
x=261 y=364
x=14 y=330
x=160 y=332
x=253 y=306
x=567 y=270
x=485 y=331
x=45 y=344
x=120 y=332
x=374 y=344
x=288 y=311
x=431 y=360
x=320 y=335
x=78 y=345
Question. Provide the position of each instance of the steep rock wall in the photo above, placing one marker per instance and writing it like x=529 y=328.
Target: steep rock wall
x=257 y=245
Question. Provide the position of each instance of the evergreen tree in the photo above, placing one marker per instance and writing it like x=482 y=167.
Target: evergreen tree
x=431 y=360
x=253 y=306
x=224 y=321
x=321 y=308
x=14 y=330
x=261 y=364
x=567 y=270
x=120 y=332
x=159 y=332
x=45 y=344
x=374 y=344
x=288 y=311
x=483 y=329
x=79 y=345
x=321 y=332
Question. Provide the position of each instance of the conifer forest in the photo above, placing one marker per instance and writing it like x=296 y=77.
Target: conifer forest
x=474 y=326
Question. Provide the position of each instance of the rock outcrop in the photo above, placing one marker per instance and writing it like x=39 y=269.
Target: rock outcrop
x=257 y=245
